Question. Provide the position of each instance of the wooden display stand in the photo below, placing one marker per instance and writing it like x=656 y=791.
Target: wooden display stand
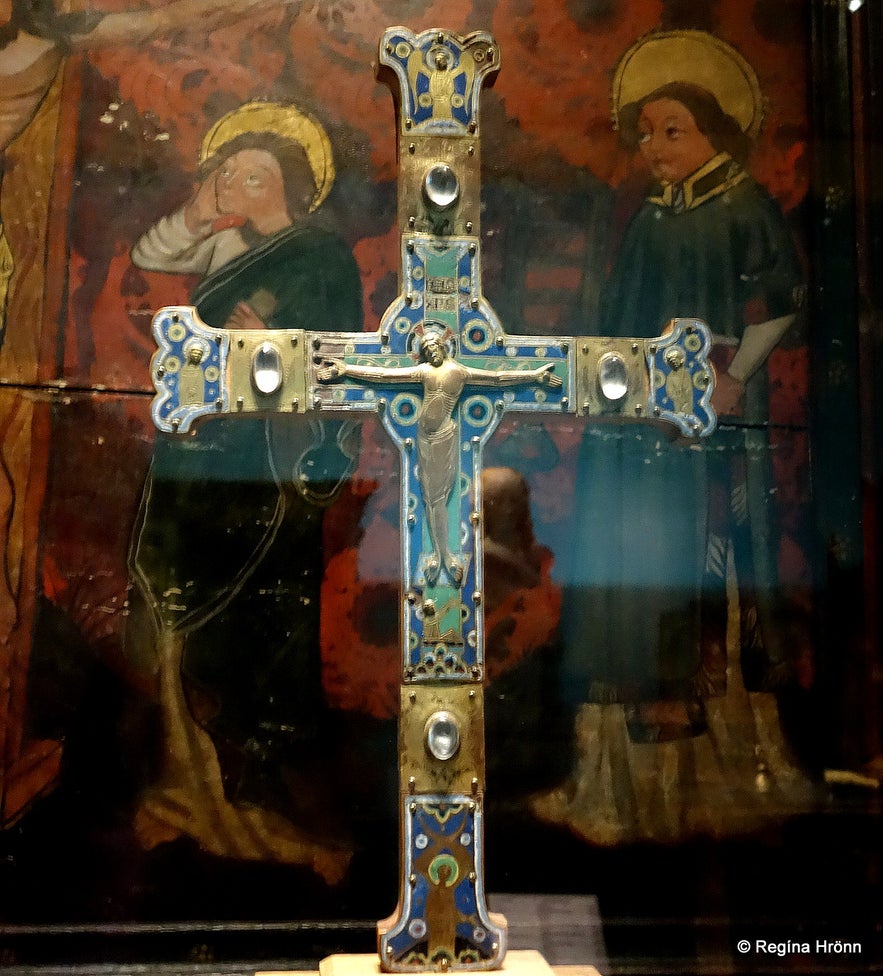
x=523 y=962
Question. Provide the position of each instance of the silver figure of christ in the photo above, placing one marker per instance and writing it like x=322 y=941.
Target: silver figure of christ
x=443 y=380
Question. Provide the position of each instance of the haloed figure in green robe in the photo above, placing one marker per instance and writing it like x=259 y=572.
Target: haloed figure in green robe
x=645 y=615
x=228 y=549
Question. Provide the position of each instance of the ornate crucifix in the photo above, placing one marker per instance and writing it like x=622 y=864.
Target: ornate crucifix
x=440 y=371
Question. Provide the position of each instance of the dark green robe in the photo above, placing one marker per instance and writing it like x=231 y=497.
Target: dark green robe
x=228 y=550
x=642 y=616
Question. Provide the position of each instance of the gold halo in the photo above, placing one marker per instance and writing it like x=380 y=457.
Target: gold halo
x=695 y=57
x=286 y=121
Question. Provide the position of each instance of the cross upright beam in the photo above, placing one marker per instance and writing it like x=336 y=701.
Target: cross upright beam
x=440 y=371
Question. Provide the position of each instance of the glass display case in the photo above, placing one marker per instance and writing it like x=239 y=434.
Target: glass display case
x=200 y=624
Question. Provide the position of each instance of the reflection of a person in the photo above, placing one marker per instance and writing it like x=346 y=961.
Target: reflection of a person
x=645 y=617
x=236 y=596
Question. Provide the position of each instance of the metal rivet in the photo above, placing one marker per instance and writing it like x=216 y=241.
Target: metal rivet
x=218 y=340
x=474 y=517
x=408 y=123
x=410 y=246
x=635 y=347
x=412 y=148
x=240 y=403
x=412 y=222
x=656 y=411
x=240 y=342
x=473 y=126
x=477 y=597
x=219 y=405
x=472 y=248
x=160 y=371
x=294 y=340
x=639 y=409
x=295 y=403
x=471 y=150
x=468 y=226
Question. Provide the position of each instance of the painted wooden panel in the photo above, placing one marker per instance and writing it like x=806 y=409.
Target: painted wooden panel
x=159 y=711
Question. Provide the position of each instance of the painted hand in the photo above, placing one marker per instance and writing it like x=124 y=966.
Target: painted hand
x=728 y=396
x=244 y=316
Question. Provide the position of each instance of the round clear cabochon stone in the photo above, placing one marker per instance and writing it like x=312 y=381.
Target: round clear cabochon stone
x=613 y=376
x=442 y=735
x=266 y=368
x=441 y=186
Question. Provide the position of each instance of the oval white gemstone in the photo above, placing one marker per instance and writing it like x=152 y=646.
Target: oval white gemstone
x=442 y=735
x=266 y=368
x=613 y=376
x=441 y=186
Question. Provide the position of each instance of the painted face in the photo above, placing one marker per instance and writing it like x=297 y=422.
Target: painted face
x=670 y=140
x=250 y=184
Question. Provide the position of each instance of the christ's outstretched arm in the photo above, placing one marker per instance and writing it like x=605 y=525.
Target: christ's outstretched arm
x=335 y=369
x=543 y=375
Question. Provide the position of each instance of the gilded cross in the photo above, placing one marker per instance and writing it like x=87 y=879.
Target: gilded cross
x=440 y=371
